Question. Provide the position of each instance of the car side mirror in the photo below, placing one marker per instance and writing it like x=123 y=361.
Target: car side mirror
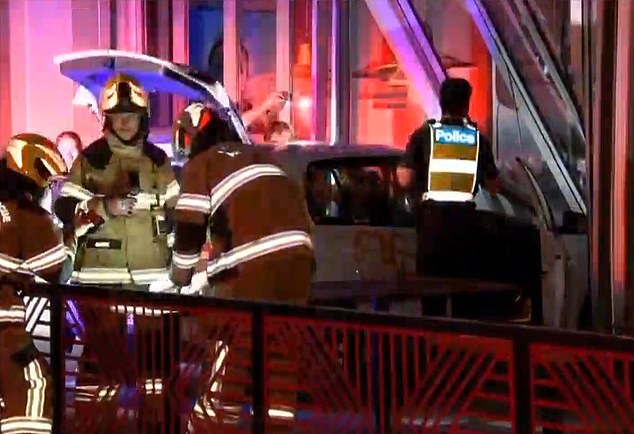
x=573 y=223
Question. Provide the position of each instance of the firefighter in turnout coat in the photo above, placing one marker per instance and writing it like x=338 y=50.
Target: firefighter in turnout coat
x=261 y=234
x=130 y=184
x=30 y=245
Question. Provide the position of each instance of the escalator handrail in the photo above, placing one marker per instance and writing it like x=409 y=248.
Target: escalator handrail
x=499 y=50
x=545 y=51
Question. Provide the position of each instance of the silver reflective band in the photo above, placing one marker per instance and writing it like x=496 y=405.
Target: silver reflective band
x=257 y=248
x=149 y=275
x=193 y=202
x=102 y=275
x=49 y=258
x=26 y=425
x=185 y=261
x=237 y=179
x=173 y=189
x=117 y=276
x=447 y=165
x=448 y=196
x=70 y=189
x=36 y=393
x=9 y=264
x=14 y=314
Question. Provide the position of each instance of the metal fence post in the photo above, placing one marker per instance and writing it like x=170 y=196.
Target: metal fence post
x=257 y=371
x=522 y=385
x=56 y=301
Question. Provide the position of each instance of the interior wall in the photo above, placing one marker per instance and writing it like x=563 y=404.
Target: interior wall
x=5 y=76
x=40 y=96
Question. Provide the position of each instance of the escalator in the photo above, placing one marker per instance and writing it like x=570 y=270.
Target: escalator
x=535 y=114
x=547 y=105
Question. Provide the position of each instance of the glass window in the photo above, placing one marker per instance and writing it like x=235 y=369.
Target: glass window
x=357 y=191
x=301 y=72
x=257 y=31
x=384 y=108
x=205 y=34
x=158 y=24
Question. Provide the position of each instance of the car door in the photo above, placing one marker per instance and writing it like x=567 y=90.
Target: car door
x=563 y=273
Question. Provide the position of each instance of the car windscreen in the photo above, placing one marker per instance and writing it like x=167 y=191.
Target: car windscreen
x=357 y=191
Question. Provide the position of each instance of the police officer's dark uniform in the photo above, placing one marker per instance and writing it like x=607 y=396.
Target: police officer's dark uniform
x=450 y=160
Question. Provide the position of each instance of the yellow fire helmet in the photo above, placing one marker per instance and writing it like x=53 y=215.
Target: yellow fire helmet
x=124 y=94
x=35 y=157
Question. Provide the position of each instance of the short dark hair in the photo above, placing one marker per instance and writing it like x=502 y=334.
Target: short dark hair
x=455 y=95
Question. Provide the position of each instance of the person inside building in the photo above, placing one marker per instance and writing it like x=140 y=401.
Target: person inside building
x=259 y=252
x=445 y=162
x=69 y=144
x=30 y=245
x=278 y=133
x=128 y=182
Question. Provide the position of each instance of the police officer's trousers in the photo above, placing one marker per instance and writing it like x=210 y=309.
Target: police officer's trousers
x=25 y=381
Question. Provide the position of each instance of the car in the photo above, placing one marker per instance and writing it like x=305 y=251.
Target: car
x=364 y=233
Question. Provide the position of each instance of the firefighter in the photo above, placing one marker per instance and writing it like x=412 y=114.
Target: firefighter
x=191 y=120
x=30 y=245
x=261 y=231
x=445 y=162
x=129 y=182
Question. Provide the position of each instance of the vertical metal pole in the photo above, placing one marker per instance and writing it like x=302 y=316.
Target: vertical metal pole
x=320 y=23
x=600 y=163
x=522 y=385
x=180 y=43
x=231 y=48
x=623 y=298
x=340 y=82
x=629 y=314
x=283 y=52
x=258 y=359
x=56 y=301
x=620 y=162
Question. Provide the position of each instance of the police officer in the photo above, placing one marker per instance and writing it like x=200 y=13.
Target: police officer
x=261 y=233
x=30 y=245
x=445 y=162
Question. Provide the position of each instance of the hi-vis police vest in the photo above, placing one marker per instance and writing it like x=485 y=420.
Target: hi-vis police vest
x=453 y=162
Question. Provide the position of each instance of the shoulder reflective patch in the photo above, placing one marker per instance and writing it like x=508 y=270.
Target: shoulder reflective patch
x=449 y=134
x=5 y=215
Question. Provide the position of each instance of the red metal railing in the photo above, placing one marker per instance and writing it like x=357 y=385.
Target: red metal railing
x=166 y=364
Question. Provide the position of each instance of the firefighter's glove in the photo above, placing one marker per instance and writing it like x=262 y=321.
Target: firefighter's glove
x=164 y=286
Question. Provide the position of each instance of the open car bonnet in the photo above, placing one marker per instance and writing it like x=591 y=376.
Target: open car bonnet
x=91 y=69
